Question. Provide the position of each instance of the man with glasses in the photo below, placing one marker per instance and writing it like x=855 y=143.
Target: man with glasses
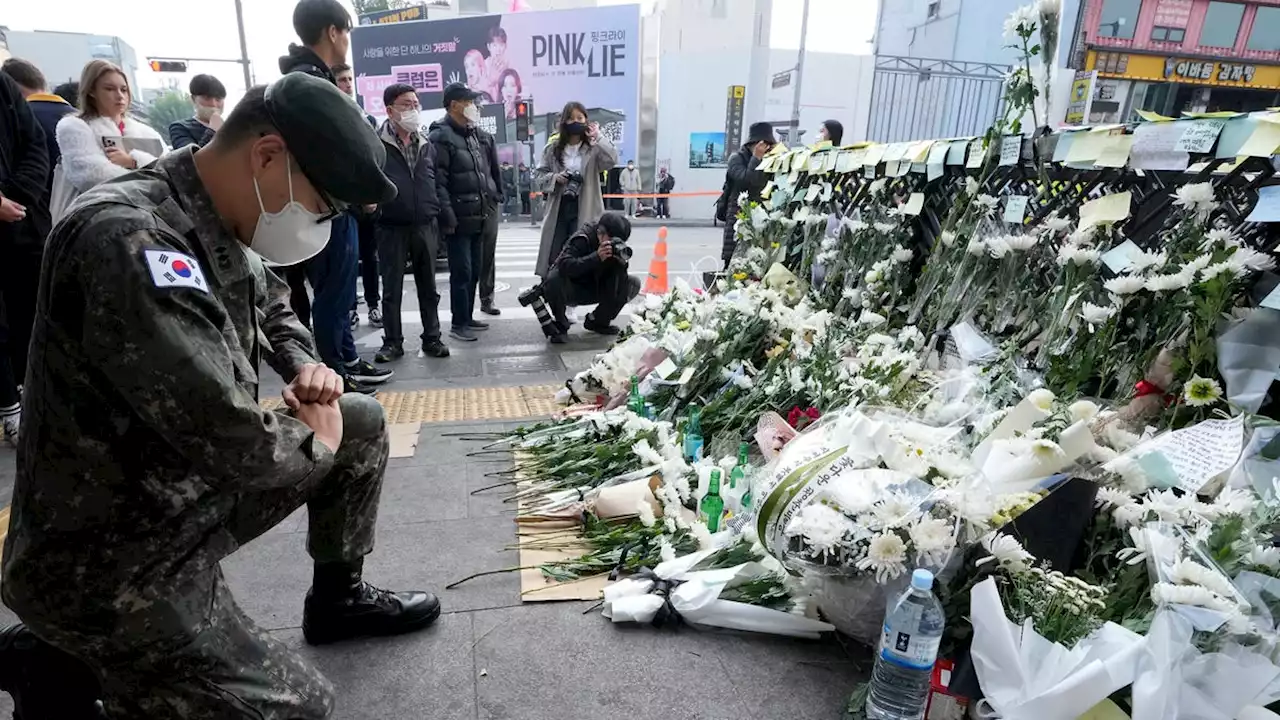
x=406 y=227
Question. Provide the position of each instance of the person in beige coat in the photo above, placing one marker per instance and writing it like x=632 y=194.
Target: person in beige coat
x=569 y=177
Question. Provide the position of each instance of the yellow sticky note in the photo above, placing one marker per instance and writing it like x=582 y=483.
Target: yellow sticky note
x=1086 y=147
x=1105 y=210
x=1222 y=114
x=914 y=205
x=1263 y=142
x=1153 y=116
x=874 y=154
x=1116 y=152
x=822 y=144
x=815 y=163
x=767 y=191
x=1105 y=710
x=920 y=151
x=794 y=177
x=766 y=165
x=829 y=162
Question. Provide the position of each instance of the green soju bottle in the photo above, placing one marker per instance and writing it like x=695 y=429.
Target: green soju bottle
x=635 y=401
x=711 y=510
x=738 y=479
x=693 y=435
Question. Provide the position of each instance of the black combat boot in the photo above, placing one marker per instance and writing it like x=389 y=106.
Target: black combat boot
x=341 y=606
x=45 y=682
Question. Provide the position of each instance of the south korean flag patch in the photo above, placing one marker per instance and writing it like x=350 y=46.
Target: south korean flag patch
x=173 y=269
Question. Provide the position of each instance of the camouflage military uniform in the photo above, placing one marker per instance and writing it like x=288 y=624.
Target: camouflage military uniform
x=145 y=458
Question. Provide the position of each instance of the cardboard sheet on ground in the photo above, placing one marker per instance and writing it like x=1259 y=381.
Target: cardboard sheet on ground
x=534 y=586
x=404 y=438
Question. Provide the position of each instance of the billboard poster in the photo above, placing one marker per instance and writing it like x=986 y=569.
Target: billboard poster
x=706 y=150
x=591 y=55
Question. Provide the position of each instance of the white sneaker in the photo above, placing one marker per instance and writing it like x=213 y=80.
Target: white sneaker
x=571 y=314
x=11 y=423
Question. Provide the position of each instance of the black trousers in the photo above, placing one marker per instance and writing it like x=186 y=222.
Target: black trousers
x=417 y=244
x=566 y=226
x=368 y=261
x=524 y=201
x=19 y=285
x=488 y=259
x=612 y=288
x=661 y=207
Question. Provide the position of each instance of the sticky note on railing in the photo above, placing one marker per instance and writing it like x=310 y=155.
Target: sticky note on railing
x=956 y=151
x=1263 y=141
x=1116 y=152
x=914 y=205
x=1105 y=210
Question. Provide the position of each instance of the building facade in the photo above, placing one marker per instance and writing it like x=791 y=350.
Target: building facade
x=62 y=55
x=1175 y=56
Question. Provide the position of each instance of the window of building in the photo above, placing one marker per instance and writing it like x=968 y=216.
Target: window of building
x=1119 y=18
x=935 y=9
x=1266 y=29
x=1168 y=34
x=1221 y=24
x=473 y=7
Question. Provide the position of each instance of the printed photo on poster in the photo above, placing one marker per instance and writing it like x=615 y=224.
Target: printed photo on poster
x=706 y=150
x=590 y=55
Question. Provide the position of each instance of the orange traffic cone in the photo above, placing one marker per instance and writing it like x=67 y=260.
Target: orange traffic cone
x=657 y=282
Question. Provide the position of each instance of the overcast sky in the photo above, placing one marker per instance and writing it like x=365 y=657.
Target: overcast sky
x=207 y=28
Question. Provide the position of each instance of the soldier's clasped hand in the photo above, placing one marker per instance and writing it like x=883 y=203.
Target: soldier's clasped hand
x=316 y=383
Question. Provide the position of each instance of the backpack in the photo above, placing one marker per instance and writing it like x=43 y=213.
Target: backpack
x=722 y=202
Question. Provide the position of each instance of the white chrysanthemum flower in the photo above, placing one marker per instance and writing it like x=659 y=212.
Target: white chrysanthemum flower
x=1082 y=410
x=1125 y=284
x=1218 y=238
x=871 y=319
x=1044 y=450
x=901 y=255
x=1144 y=544
x=971 y=186
x=886 y=557
x=645 y=512
x=1219 y=268
x=1233 y=501
x=665 y=551
x=823 y=528
x=871 y=276
x=1166 y=283
x=1201 y=392
x=1022 y=21
x=1006 y=552
x=1196 y=197
x=1129 y=515
x=1096 y=315
x=998 y=246
x=1021 y=243
x=1169 y=594
x=987 y=203
x=976 y=247
x=1190 y=572
x=947 y=238
x=933 y=541
x=1108 y=498
x=885 y=228
x=1082 y=235
x=1197 y=264
x=646 y=453
x=1267 y=557
x=1049 y=8
x=1077 y=255
x=702 y=535
x=1054 y=224
x=1246 y=259
x=877 y=186
x=1042 y=398
x=1141 y=262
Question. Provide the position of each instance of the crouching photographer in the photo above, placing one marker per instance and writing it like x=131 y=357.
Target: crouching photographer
x=592 y=270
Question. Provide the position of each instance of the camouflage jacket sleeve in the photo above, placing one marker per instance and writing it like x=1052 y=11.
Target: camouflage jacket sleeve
x=291 y=343
x=166 y=352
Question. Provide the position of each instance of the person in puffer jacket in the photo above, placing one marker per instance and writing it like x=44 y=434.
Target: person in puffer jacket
x=469 y=186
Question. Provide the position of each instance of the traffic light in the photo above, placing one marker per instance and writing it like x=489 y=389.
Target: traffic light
x=169 y=66
x=524 y=111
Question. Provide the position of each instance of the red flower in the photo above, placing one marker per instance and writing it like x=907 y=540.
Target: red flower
x=798 y=418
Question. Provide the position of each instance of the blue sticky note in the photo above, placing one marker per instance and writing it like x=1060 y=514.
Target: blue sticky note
x=1234 y=136
x=1268 y=207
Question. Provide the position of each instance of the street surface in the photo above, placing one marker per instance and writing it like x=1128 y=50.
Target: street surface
x=491 y=657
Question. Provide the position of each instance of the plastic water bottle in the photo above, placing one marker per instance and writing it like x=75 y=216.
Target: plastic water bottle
x=907 y=652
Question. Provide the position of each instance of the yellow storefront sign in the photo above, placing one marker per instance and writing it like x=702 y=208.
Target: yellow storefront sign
x=1193 y=71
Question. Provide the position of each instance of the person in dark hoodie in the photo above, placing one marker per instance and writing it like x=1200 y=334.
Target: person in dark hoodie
x=743 y=177
x=48 y=109
x=831 y=130
x=469 y=185
x=324 y=27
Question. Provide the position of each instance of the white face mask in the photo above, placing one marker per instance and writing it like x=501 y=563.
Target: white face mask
x=205 y=112
x=291 y=235
x=410 y=120
x=472 y=114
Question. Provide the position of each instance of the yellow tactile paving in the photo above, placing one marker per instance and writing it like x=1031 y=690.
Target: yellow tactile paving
x=462 y=404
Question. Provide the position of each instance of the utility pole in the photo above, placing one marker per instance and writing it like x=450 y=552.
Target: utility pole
x=244 y=48
x=793 y=134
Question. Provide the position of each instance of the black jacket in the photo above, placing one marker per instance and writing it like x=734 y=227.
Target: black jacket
x=303 y=59
x=666 y=184
x=189 y=132
x=579 y=259
x=24 y=166
x=741 y=176
x=467 y=176
x=417 y=201
x=49 y=109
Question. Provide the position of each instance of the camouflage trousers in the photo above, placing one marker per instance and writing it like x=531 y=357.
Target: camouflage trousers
x=226 y=666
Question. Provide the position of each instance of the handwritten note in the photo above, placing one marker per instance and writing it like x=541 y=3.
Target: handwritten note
x=1201 y=452
x=1086 y=147
x=1105 y=210
x=1155 y=147
x=1116 y=152
x=845 y=163
x=956 y=151
x=1015 y=208
x=977 y=153
x=914 y=205
x=1010 y=150
x=815 y=163
x=1200 y=136
x=1121 y=257
x=896 y=152
x=897 y=169
x=875 y=154
x=1267 y=208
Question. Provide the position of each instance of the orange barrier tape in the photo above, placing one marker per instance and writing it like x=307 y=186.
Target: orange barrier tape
x=699 y=193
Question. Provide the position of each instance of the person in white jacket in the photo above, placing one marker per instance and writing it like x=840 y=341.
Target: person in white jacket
x=104 y=113
x=630 y=181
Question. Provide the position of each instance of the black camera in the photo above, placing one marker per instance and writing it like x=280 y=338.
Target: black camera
x=621 y=250
x=573 y=185
x=534 y=297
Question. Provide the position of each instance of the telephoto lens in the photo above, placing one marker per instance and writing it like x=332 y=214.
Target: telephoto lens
x=621 y=249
